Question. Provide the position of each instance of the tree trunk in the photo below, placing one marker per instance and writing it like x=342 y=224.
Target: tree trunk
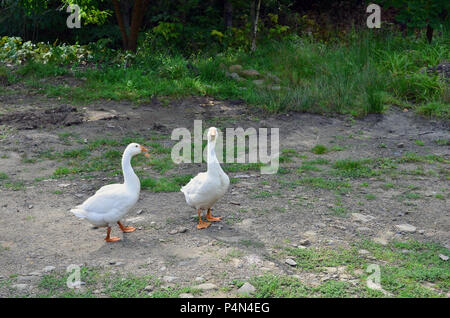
x=228 y=15
x=429 y=33
x=121 y=24
x=136 y=22
x=129 y=39
x=255 y=24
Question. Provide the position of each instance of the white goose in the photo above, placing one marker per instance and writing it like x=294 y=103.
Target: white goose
x=111 y=202
x=208 y=187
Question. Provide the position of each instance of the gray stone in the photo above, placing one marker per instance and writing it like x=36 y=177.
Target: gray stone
x=48 y=269
x=169 y=279
x=381 y=240
x=149 y=288
x=362 y=217
x=407 y=228
x=199 y=279
x=363 y=252
x=273 y=78
x=250 y=73
x=258 y=82
x=304 y=242
x=443 y=257
x=400 y=145
x=206 y=286
x=27 y=279
x=236 y=68
x=246 y=289
x=185 y=295
x=290 y=262
x=20 y=287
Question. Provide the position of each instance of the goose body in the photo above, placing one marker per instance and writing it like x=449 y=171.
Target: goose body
x=205 y=189
x=111 y=202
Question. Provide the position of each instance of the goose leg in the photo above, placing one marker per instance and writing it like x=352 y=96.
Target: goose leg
x=110 y=239
x=201 y=224
x=126 y=229
x=212 y=218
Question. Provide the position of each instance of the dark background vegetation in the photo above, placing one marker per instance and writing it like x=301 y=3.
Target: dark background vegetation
x=326 y=58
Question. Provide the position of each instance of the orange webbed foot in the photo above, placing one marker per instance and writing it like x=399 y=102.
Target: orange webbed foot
x=126 y=229
x=112 y=239
x=203 y=225
x=211 y=218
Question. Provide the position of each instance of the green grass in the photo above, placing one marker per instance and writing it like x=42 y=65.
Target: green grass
x=165 y=184
x=322 y=183
x=320 y=149
x=354 y=168
x=117 y=286
x=3 y=176
x=364 y=73
x=403 y=274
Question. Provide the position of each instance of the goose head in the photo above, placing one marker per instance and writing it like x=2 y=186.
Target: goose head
x=134 y=149
x=212 y=134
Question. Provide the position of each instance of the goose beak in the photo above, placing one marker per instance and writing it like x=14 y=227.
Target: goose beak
x=143 y=149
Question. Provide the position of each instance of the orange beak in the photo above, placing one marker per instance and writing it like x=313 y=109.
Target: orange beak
x=143 y=149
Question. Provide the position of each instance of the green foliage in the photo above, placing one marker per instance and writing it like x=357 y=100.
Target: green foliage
x=420 y=13
x=14 y=50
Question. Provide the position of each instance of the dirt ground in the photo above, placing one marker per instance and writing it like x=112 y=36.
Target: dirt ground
x=260 y=214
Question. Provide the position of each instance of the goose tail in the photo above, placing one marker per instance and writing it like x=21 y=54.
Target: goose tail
x=79 y=212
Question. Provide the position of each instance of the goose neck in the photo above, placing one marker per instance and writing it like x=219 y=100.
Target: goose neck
x=130 y=178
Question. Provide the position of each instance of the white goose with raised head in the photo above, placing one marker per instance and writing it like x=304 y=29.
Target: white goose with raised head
x=111 y=202
x=205 y=189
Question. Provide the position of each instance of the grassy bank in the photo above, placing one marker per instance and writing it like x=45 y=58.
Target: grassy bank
x=365 y=74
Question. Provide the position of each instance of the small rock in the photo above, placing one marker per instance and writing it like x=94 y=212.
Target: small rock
x=139 y=211
x=30 y=206
x=408 y=228
x=27 y=279
x=246 y=289
x=173 y=232
x=169 y=279
x=48 y=269
x=235 y=68
x=380 y=240
x=258 y=82
x=363 y=252
x=182 y=229
x=149 y=288
x=362 y=217
x=273 y=78
x=20 y=287
x=250 y=73
x=304 y=242
x=199 y=279
x=290 y=262
x=185 y=295
x=206 y=286
x=443 y=257
x=421 y=231
x=79 y=195
x=400 y=145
